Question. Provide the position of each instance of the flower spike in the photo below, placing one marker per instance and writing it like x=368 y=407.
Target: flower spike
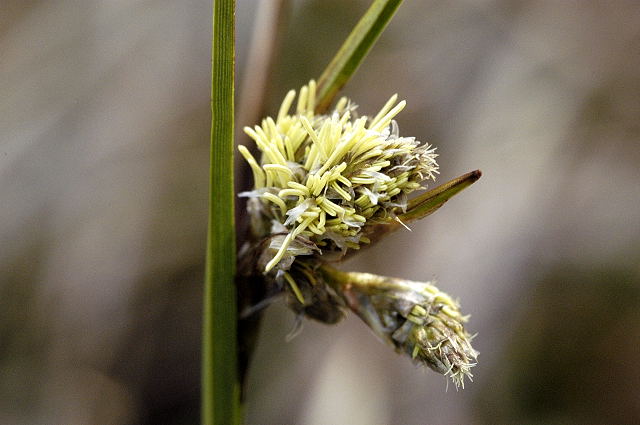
x=416 y=318
x=327 y=178
x=327 y=185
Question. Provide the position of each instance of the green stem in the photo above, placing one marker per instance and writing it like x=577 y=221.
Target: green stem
x=220 y=385
x=353 y=51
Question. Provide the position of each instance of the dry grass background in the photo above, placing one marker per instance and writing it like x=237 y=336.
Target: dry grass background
x=103 y=169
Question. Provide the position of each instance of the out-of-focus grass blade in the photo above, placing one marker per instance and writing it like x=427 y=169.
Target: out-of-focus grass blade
x=220 y=386
x=430 y=201
x=353 y=51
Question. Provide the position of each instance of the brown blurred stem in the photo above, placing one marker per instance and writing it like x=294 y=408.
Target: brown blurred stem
x=270 y=23
x=250 y=284
x=265 y=41
x=252 y=289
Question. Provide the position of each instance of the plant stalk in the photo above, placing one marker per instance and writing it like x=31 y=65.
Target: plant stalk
x=220 y=384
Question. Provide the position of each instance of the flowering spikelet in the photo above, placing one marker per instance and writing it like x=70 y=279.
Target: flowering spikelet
x=414 y=317
x=322 y=179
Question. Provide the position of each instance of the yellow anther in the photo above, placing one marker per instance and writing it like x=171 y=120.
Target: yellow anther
x=286 y=105
x=387 y=106
x=298 y=186
x=258 y=173
x=276 y=200
x=294 y=287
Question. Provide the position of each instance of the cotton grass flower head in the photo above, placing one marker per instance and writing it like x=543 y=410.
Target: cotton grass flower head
x=327 y=185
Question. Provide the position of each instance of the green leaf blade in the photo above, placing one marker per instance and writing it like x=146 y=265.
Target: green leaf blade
x=220 y=387
x=422 y=206
x=428 y=202
x=353 y=51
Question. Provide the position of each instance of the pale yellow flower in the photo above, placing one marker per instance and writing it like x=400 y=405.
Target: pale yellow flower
x=322 y=179
x=328 y=184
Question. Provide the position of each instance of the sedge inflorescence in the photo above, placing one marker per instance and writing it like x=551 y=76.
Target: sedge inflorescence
x=325 y=184
x=322 y=179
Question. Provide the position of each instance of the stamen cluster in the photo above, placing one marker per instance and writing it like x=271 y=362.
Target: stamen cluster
x=322 y=179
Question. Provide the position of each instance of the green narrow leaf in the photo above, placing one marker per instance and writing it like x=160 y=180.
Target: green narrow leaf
x=424 y=205
x=220 y=386
x=353 y=51
x=427 y=203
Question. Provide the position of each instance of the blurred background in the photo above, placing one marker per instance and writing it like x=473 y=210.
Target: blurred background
x=104 y=127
